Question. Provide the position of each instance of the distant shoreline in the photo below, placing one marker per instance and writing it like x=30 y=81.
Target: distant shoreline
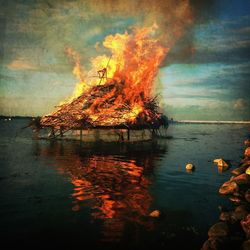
x=16 y=117
x=211 y=122
x=170 y=121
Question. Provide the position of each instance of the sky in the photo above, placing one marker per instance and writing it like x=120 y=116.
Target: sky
x=205 y=75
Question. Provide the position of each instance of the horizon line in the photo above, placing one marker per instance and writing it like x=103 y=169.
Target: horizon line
x=213 y=121
x=170 y=120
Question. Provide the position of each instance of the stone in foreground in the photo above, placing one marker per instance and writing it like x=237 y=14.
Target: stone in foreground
x=219 y=229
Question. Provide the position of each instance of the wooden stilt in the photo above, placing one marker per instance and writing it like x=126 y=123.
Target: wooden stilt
x=153 y=133
x=128 y=134
x=52 y=133
x=61 y=131
x=35 y=134
x=81 y=135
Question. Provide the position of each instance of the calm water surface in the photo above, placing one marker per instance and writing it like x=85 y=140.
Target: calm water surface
x=65 y=194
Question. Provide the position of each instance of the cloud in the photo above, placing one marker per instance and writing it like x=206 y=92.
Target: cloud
x=222 y=40
x=21 y=64
x=245 y=30
x=6 y=78
x=200 y=75
x=54 y=23
x=243 y=44
x=241 y=104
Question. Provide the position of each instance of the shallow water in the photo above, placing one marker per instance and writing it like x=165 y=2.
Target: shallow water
x=64 y=193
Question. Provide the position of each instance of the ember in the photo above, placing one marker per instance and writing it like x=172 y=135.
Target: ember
x=121 y=95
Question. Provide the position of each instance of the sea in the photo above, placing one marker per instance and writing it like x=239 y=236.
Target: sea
x=68 y=194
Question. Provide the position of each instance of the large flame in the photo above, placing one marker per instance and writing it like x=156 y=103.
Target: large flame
x=132 y=67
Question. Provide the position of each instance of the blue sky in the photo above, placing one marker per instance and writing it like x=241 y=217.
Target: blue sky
x=205 y=76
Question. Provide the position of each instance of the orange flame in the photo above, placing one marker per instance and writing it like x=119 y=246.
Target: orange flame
x=132 y=67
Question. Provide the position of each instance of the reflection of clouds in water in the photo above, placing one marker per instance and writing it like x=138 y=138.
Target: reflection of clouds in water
x=114 y=183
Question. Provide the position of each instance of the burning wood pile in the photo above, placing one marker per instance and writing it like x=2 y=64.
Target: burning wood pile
x=85 y=112
x=121 y=95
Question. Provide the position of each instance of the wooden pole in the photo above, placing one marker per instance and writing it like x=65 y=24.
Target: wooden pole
x=61 y=131
x=128 y=134
x=80 y=134
x=52 y=133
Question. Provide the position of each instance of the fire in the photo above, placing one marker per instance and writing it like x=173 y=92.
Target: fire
x=117 y=91
x=132 y=65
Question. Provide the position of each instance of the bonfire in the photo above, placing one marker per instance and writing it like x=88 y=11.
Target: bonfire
x=120 y=93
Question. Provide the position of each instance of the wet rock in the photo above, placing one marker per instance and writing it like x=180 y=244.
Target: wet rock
x=239 y=170
x=245 y=162
x=231 y=178
x=221 y=169
x=214 y=243
x=247 y=152
x=247 y=195
x=242 y=179
x=155 y=214
x=222 y=164
x=240 y=212
x=247 y=142
x=248 y=171
x=246 y=245
x=226 y=216
x=228 y=187
x=238 y=194
x=223 y=209
x=189 y=167
x=235 y=199
x=246 y=225
x=219 y=229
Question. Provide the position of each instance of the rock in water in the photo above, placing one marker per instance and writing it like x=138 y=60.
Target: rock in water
x=248 y=171
x=222 y=165
x=215 y=243
x=228 y=187
x=247 y=195
x=246 y=225
x=226 y=216
x=220 y=162
x=247 y=152
x=239 y=170
x=219 y=229
x=189 y=167
x=235 y=199
x=245 y=163
x=247 y=142
x=240 y=212
x=246 y=245
x=155 y=214
x=242 y=179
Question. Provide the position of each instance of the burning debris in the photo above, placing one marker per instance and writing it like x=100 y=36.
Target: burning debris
x=121 y=95
x=85 y=113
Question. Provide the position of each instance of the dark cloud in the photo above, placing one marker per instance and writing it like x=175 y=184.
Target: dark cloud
x=6 y=78
x=230 y=56
x=2 y=37
x=204 y=10
x=184 y=49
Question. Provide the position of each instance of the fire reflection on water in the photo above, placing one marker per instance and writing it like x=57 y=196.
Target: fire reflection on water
x=114 y=182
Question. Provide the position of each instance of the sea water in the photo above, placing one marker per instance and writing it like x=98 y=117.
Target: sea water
x=67 y=194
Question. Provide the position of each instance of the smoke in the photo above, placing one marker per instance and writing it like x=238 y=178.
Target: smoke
x=50 y=26
x=171 y=16
x=80 y=23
